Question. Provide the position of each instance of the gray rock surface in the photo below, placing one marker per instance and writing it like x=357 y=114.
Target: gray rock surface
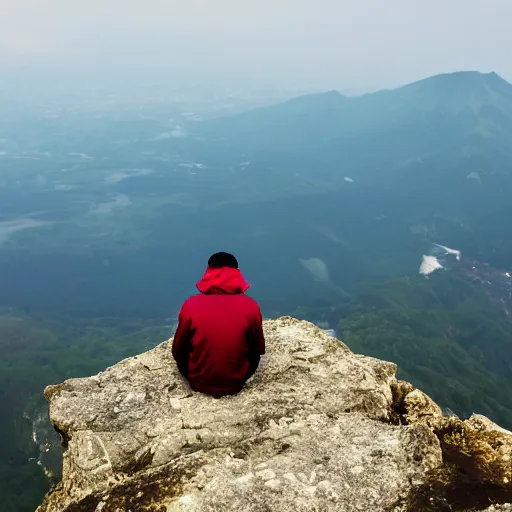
x=320 y=429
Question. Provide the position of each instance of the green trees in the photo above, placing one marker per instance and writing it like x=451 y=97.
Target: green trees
x=35 y=353
x=445 y=337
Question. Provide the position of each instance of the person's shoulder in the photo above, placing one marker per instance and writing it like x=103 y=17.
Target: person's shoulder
x=250 y=302
x=191 y=301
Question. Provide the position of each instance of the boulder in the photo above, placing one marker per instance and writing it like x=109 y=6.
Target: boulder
x=319 y=429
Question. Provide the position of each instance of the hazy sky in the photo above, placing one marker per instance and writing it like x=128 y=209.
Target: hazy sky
x=356 y=44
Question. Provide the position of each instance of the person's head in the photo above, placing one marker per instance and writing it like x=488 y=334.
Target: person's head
x=221 y=260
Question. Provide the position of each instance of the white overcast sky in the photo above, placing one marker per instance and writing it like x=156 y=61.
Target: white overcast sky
x=357 y=44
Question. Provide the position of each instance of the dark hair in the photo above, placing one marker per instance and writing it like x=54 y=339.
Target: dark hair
x=222 y=259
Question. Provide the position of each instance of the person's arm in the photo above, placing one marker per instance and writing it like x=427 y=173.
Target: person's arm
x=256 y=343
x=181 y=341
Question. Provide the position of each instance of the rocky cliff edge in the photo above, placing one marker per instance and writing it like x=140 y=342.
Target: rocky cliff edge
x=319 y=429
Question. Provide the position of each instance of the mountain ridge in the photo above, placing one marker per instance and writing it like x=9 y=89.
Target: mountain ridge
x=442 y=129
x=442 y=98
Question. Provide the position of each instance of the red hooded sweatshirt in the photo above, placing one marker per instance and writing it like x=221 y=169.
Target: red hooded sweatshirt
x=219 y=339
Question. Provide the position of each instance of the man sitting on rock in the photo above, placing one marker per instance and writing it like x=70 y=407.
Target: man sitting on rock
x=219 y=339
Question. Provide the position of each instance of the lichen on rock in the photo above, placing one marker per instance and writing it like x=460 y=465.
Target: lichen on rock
x=320 y=429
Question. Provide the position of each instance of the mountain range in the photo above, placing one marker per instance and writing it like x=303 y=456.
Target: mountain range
x=444 y=144
x=442 y=113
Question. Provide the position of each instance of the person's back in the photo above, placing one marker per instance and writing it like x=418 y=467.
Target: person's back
x=219 y=339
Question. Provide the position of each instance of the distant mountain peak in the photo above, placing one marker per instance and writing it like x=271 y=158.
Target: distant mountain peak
x=464 y=78
x=334 y=93
x=459 y=90
x=466 y=73
x=333 y=96
x=458 y=105
x=494 y=77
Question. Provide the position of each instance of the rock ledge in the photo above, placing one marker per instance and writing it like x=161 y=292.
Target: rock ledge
x=319 y=429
